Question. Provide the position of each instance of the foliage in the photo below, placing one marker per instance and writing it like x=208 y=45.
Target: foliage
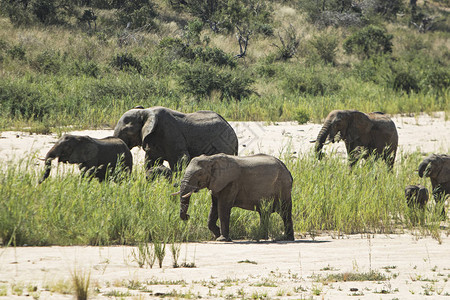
x=136 y=13
x=325 y=197
x=311 y=81
x=202 y=80
x=369 y=41
x=48 y=12
x=326 y=47
x=126 y=62
x=289 y=44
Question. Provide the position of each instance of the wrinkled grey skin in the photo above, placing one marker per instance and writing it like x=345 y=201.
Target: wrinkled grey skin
x=92 y=155
x=238 y=182
x=416 y=196
x=362 y=133
x=437 y=167
x=175 y=137
x=159 y=171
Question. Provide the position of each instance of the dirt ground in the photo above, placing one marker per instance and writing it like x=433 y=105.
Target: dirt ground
x=408 y=266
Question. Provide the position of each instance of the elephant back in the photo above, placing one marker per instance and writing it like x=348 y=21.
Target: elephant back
x=209 y=133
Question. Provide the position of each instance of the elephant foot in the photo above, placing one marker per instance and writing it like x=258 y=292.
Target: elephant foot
x=223 y=239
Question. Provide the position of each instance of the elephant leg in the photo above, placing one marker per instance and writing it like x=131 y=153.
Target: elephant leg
x=286 y=215
x=264 y=223
x=212 y=218
x=224 y=211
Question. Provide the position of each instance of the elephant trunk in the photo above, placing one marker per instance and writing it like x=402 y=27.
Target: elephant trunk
x=48 y=163
x=422 y=169
x=185 y=195
x=321 y=138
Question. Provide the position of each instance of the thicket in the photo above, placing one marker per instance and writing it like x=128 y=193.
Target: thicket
x=84 y=63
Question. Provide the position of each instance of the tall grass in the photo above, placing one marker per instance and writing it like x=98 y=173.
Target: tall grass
x=327 y=196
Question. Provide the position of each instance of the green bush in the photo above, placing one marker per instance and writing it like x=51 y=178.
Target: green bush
x=312 y=81
x=326 y=45
x=134 y=14
x=17 y=52
x=369 y=41
x=437 y=79
x=175 y=48
x=301 y=116
x=126 y=62
x=405 y=81
x=48 y=61
x=24 y=100
x=201 y=80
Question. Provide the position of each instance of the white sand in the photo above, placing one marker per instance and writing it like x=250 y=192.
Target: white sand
x=419 y=266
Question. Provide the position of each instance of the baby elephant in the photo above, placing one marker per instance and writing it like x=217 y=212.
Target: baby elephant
x=159 y=171
x=236 y=181
x=416 y=196
x=93 y=155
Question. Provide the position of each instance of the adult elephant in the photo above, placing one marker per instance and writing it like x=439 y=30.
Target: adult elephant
x=243 y=182
x=172 y=136
x=94 y=156
x=362 y=133
x=437 y=167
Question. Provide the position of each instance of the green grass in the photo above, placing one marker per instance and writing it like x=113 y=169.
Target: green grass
x=68 y=210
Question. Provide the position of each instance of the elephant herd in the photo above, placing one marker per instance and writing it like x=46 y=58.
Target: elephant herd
x=208 y=145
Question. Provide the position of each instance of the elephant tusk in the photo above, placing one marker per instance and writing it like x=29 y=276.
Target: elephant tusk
x=313 y=141
x=174 y=194
x=43 y=159
x=187 y=195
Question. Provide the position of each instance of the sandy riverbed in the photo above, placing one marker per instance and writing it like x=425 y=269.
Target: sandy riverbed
x=413 y=266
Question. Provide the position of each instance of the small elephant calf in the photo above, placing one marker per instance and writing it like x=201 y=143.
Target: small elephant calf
x=416 y=196
x=159 y=171
x=92 y=155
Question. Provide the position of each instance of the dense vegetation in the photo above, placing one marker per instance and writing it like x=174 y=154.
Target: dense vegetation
x=85 y=62
x=67 y=210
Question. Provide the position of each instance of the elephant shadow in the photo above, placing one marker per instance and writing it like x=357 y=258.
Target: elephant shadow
x=267 y=242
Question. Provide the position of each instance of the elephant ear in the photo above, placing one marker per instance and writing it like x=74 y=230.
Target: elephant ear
x=359 y=128
x=85 y=150
x=223 y=171
x=444 y=174
x=149 y=125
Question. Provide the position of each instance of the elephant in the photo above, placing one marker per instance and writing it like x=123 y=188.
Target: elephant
x=175 y=137
x=362 y=133
x=93 y=155
x=416 y=196
x=437 y=167
x=236 y=181
x=159 y=171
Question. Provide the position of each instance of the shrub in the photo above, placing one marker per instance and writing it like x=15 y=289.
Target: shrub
x=48 y=61
x=201 y=80
x=326 y=47
x=301 y=116
x=176 y=48
x=23 y=100
x=405 y=81
x=126 y=62
x=47 y=12
x=369 y=41
x=215 y=56
x=437 y=78
x=311 y=81
x=17 y=52
x=136 y=13
x=87 y=68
